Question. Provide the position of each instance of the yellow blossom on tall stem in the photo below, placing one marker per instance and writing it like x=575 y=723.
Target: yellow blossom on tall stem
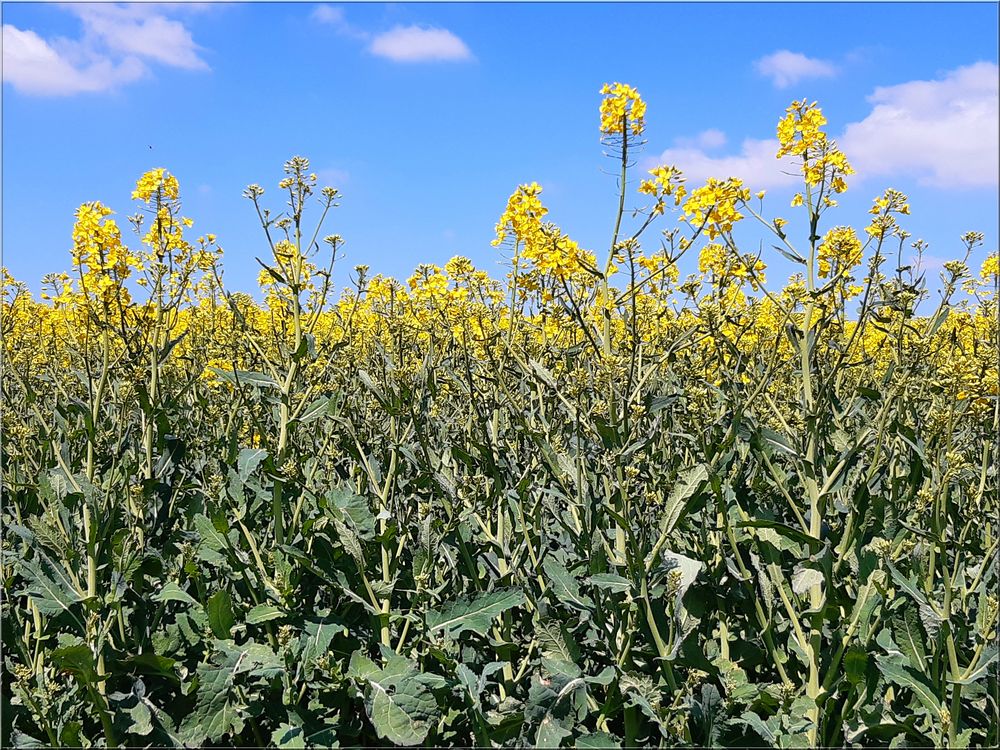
x=840 y=251
x=622 y=110
x=714 y=205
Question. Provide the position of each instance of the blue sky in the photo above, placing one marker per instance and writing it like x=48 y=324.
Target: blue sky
x=427 y=116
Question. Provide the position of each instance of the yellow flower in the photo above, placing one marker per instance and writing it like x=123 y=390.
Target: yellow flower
x=153 y=181
x=840 y=248
x=666 y=181
x=713 y=206
x=990 y=268
x=622 y=110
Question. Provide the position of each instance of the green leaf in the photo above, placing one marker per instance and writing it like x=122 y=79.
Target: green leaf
x=316 y=408
x=565 y=588
x=551 y=732
x=361 y=667
x=353 y=510
x=76 y=658
x=317 y=635
x=987 y=657
x=776 y=440
x=246 y=377
x=264 y=613
x=804 y=578
x=215 y=713
x=688 y=567
x=907 y=677
x=248 y=461
x=598 y=741
x=611 y=582
x=171 y=592
x=856 y=664
x=210 y=536
x=688 y=483
x=48 y=585
x=476 y=615
x=153 y=664
x=400 y=703
x=220 y=614
x=288 y=736
x=909 y=634
x=783 y=529
x=556 y=642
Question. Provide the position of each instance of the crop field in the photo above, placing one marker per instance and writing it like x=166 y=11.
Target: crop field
x=593 y=503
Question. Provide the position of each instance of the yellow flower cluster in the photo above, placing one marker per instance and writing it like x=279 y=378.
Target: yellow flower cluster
x=156 y=181
x=622 y=110
x=883 y=222
x=714 y=205
x=990 y=270
x=540 y=243
x=725 y=266
x=800 y=134
x=799 y=131
x=98 y=254
x=667 y=180
x=841 y=250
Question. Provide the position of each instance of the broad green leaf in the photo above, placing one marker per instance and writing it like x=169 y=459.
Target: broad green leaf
x=783 y=529
x=476 y=615
x=400 y=703
x=246 y=377
x=909 y=634
x=688 y=568
x=76 y=658
x=611 y=582
x=288 y=736
x=48 y=585
x=317 y=635
x=220 y=614
x=565 y=587
x=151 y=663
x=757 y=724
x=361 y=667
x=688 y=483
x=979 y=670
x=555 y=641
x=215 y=713
x=804 y=578
x=210 y=536
x=598 y=741
x=856 y=664
x=551 y=733
x=264 y=613
x=907 y=677
x=354 y=510
x=248 y=461
x=316 y=408
x=171 y=592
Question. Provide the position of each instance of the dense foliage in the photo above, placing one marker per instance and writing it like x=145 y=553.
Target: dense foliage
x=592 y=506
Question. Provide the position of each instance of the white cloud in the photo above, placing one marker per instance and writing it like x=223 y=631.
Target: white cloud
x=755 y=164
x=332 y=177
x=786 y=68
x=944 y=132
x=328 y=14
x=115 y=44
x=137 y=30
x=32 y=66
x=419 y=44
x=706 y=139
x=337 y=18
